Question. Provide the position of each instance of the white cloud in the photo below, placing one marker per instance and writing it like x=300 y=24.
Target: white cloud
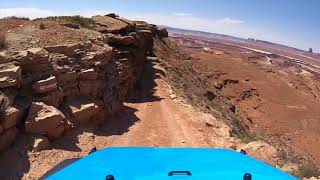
x=181 y=14
x=177 y=19
x=36 y=12
x=25 y=12
x=184 y=20
x=229 y=21
x=189 y=21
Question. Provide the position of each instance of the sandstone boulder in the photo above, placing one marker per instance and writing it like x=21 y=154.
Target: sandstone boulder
x=41 y=143
x=45 y=120
x=11 y=117
x=262 y=151
x=89 y=59
x=102 y=56
x=4 y=58
x=162 y=32
x=69 y=49
x=173 y=96
x=46 y=85
x=10 y=75
x=20 y=56
x=67 y=77
x=7 y=98
x=56 y=49
x=146 y=33
x=312 y=178
x=7 y=137
x=141 y=25
x=31 y=56
x=110 y=25
x=119 y=40
x=38 y=53
x=82 y=109
x=63 y=49
x=127 y=40
x=88 y=74
x=53 y=98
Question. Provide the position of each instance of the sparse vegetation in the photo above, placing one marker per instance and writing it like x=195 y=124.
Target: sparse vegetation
x=3 y=41
x=16 y=17
x=42 y=26
x=245 y=138
x=79 y=20
x=308 y=169
x=72 y=21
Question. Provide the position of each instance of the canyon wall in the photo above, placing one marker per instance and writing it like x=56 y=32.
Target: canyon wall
x=48 y=90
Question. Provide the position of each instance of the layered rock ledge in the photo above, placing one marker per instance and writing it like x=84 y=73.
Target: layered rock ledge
x=47 y=90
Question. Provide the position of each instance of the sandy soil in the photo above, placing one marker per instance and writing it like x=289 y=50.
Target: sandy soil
x=149 y=119
x=25 y=34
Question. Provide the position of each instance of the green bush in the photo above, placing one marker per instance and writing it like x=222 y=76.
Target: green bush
x=81 y=21
x=307 y=170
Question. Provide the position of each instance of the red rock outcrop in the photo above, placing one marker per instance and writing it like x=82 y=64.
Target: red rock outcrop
x=46 y=90
x=45 y=120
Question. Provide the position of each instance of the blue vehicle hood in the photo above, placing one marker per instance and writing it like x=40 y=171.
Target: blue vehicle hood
x=130 y=163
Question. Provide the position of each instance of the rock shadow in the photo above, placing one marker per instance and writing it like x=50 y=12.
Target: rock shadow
x=58 y=167
x=145 y=87
x=15 y=161
x=117 y=124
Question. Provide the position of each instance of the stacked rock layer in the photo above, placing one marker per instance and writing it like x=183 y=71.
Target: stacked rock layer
x=48 y=90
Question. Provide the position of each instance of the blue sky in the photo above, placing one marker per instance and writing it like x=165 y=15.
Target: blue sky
x=291 y=22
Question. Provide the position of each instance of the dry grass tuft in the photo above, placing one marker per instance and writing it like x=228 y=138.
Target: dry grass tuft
x=42 y=26
x=307 y=170
x=73 y=21
x=3 y=41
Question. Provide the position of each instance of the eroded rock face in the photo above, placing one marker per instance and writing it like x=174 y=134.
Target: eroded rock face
x=66 y=85
x=119 y=40
x=82 y=109
x=111 y=24
x=45 y=120
x=46 y=85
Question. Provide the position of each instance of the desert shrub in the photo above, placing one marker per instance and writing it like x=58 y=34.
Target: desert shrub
x=79 y=20
x=42 y=26
x=16 y=17
x=71 y=21
x=3 y=42
x=307 y=170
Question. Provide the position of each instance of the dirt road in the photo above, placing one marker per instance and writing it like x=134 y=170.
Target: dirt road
x=150 y=119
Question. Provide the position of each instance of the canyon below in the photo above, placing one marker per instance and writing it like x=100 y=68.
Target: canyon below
x=71 y=85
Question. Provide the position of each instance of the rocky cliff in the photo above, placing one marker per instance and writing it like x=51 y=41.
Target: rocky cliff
x=48 y=89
